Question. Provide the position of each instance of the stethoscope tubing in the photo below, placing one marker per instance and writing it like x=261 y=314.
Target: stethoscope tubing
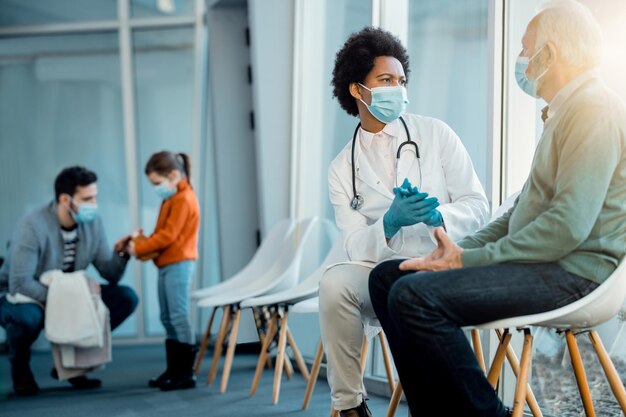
x=357 y=200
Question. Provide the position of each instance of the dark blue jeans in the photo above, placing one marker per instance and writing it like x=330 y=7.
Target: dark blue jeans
x=24 y=322
x=422 y=314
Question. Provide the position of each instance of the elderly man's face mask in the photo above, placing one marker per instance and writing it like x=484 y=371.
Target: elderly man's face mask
x=528 y=85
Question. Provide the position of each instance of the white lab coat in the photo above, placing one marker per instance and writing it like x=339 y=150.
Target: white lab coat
x=447 y=173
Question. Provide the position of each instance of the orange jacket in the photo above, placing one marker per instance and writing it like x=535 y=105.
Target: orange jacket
x=176 y=234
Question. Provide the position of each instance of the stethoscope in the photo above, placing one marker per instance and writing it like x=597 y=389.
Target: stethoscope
x=357 y=200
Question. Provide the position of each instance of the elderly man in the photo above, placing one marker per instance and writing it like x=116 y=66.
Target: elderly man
x=563 y=237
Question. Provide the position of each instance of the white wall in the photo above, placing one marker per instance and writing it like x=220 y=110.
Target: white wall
x=271 y=34
x=231 y=103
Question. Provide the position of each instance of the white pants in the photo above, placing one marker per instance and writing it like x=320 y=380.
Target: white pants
x=345 y=315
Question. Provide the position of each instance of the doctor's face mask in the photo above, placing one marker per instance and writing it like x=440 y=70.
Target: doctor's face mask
x=388 y=103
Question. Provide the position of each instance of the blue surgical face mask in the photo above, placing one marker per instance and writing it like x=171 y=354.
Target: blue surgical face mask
x=527 y=85
x=388 y=103
x=164 y=191
x=86 y=212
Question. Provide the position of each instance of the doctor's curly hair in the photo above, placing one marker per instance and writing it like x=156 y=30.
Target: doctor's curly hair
x=356 y=59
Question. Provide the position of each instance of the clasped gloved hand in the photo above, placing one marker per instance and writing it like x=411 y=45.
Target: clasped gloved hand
x=435 y=219
x=408 y=207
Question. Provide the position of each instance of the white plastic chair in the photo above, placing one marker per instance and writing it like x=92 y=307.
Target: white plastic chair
x=264 y=258
x=281 y=302
x=283 y=274
x=599 y=306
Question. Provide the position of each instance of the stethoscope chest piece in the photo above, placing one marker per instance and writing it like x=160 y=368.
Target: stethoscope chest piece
x=357 y=202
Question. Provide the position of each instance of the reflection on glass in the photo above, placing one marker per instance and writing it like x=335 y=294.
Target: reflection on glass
x=553 y=380
x=60 y=105
x=155 y=8
x=164 y=85
x=34 y=12
x=448 y=52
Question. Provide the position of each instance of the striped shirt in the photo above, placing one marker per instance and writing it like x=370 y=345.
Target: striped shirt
x=70 y=241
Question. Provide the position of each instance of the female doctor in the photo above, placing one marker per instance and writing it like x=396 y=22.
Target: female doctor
x=400 y=176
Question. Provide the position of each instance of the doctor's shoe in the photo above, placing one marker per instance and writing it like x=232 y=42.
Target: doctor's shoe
x=360 y=411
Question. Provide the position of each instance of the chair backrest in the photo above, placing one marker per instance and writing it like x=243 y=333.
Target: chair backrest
x=283 y=273
x=287 y=268
x=284 y=270
x=336 y=254
x=271 y=247
x=263 y=259
x=505 y=206
x=308 y=282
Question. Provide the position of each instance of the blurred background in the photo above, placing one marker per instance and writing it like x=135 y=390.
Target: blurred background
x=243 y=86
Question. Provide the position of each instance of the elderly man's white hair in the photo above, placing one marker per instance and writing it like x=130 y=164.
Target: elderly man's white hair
x=573 y=30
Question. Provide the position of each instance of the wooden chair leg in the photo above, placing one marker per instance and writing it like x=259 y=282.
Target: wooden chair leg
x=296 y=354
x=219 y=343
x=315 y=370
x=530 y=396
x=205 y=343
x=478 y=349
x=496 y=365
x=266 y=313
x=287 y=366
x=364 y=346
x=271 y=332
x=579 y=373
x=609 y=370
x=395 y=400
x=522 y=379
x=230 y=352
x=280 y=357
x=387 y=361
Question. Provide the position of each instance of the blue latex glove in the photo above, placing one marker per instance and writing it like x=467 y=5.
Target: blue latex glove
x=435 y=219
x=406 y=189
x=407 y=209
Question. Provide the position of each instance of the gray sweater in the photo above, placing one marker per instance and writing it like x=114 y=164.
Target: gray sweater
x=572 y=207
x=37 y=247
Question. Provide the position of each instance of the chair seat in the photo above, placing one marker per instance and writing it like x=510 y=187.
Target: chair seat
x=262 y=261
x=597 y=307
x=312 y=305
x=308 y=287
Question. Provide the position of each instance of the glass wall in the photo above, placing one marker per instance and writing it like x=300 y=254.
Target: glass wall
x=38 y=12
x=449 y=57
x=163 y=69
x=342 y=19
x=155 y=8
x=62 y=101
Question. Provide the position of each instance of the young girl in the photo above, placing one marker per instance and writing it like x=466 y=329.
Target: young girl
x=174 y=242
